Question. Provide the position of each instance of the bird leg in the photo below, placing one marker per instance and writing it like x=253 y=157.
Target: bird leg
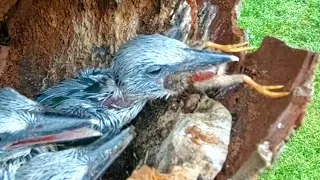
x=228 y=80
x=226 y=48
x=230 y=48
x=265 y=90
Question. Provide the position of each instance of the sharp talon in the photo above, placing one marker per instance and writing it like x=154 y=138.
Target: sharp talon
x=275 y=94
x=265 y=90
x=274 y=87
x=227 y=48
x=240 y=44
x=240 y=49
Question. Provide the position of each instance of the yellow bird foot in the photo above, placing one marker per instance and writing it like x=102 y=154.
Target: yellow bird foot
x=265 y=90
x=226 y=48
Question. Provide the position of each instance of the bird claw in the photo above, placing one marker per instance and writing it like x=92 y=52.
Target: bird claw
x=265 y=90
x=227 y=48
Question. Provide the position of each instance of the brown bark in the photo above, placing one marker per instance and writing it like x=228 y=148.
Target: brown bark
x=4 y=52
x=5 y=6
x=51 y=40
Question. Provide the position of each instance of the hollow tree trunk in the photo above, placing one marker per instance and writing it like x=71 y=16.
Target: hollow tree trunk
x=51 y=40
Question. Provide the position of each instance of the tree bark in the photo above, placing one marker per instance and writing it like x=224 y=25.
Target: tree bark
x=51 y=40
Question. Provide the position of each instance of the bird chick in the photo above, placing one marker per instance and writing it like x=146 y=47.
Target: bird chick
x=138 y=74
x=87 y=162
x=117 y=94
x=26 y=125
x=141 y=71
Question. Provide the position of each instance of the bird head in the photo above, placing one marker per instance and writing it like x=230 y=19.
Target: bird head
x=142 y=65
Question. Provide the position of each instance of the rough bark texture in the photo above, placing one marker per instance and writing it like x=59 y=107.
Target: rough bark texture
x=5 y=6
x=51 y=40
x=4 y=52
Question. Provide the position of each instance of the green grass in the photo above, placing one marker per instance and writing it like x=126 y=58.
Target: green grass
x=297 y=22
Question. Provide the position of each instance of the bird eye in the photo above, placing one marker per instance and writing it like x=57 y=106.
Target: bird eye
x=154 y=70
x=38 y=126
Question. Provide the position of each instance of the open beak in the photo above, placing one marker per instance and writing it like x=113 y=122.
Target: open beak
x=50 y=128
x=195 y=62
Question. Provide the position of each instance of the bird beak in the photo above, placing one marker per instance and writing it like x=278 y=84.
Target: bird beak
x=51 y=129
x=203 y=59
x=106 y=150
x=195 y=63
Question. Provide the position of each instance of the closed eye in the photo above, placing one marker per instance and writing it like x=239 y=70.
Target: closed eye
x=154 y=70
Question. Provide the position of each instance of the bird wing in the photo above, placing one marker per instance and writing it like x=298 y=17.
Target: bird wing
x=91 y=84
x=83 y=95
x=87 y=162
x=10 y=98
x=53 y=165
x=86 y=109
x=11 y=161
